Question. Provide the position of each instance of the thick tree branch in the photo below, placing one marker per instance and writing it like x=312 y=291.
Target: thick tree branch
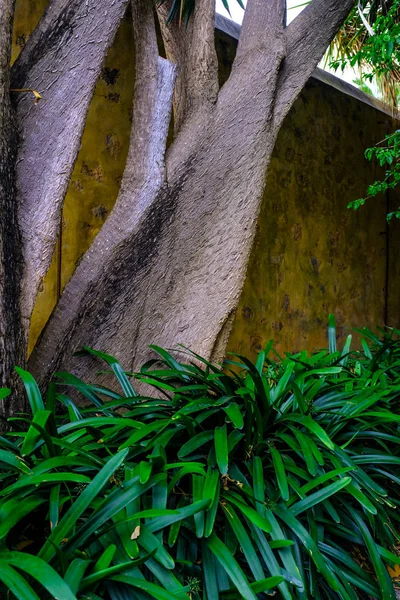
x=308 y=37
x=146 y=84
x=112 y=253
x=263 y=24
x=10 y=247
x=191 y=47
x=152 y=103
x=62 y=60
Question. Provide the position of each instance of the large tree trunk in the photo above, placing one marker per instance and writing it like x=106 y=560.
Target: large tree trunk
x=62 y=61
x=11 y=338
x=169 y=264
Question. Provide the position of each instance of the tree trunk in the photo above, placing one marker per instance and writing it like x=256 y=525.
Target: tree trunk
x=173 y=271
x=10 y=255
x=62 y=61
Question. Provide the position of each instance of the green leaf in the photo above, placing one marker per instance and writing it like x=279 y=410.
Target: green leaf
x=259 y=485
x=107 y=573
x=145 y=468
x=312 y=426
x=280 y=473
x=195 y=442
x=105 y=559
x=80 y=505
x=119 y=373
x=221 y=449
x=75 y=573
x=121 y=497
x=234 y=414
x=197 y=491
x=210 y=484
x=179 y=515
x=15 y=583
x=323 y=478
x=245 y=543
x=307 y=450
x=362 y=499
x=319 y=496
x=42 y=572
x=154 y=591
x=210 y=573
x=40 y=418
x=307 y=541
x=385 y=584
x=143 y=432
x=42 y=479
x=153 y=545
x=54 y=505
x=13 y=461
x=231 y=567
x=264 y=585
x=251 y=514
x=32 y=390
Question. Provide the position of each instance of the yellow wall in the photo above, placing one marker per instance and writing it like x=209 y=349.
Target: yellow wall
x=312 y=256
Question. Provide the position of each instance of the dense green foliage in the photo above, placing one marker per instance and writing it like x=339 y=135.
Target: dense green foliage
x=220 y=484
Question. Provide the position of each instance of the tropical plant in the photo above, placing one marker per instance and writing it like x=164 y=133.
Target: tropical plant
x=223 y=483
x=369 y=40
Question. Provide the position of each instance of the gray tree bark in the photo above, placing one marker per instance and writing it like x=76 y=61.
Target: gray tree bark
x=169 y=265
x=62 y=61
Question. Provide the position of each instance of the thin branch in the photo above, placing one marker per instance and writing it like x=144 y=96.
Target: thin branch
x=152 y=104
x=192 y=48
x=264 y=22
x=62 y=61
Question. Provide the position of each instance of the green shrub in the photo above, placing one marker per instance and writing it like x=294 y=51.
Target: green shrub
x=279 y=477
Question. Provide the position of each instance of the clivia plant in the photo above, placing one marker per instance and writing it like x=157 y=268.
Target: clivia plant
x=241 y=481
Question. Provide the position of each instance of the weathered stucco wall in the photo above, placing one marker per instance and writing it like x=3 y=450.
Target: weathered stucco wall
x=312 y=256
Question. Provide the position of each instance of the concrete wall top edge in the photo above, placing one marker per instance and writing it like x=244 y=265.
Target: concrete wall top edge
x=233 y=30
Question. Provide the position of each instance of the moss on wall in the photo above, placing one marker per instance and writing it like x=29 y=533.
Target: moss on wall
x=311 y=257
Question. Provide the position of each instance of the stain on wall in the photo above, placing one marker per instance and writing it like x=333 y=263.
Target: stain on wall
x=311 y=256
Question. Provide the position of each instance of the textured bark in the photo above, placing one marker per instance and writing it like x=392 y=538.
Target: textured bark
x=10 y=259
x=62 y=60
x=175 y=274
x=308 y=36
x=264 y=21
x=191 y=47
x=143 y=180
